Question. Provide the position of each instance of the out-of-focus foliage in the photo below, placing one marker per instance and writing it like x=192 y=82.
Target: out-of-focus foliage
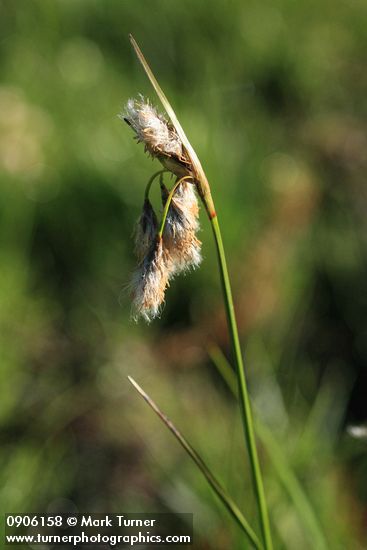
x=273 y=97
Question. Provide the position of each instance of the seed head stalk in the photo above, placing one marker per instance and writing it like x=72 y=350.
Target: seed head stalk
x=245 y=405
x=199 y=178
x=167 y=205
x=150 y=182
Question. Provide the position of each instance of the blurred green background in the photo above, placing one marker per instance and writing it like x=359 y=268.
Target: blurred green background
x=273 y=97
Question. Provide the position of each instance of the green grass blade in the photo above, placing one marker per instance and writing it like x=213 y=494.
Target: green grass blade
x=279 y=461
x=213 y=482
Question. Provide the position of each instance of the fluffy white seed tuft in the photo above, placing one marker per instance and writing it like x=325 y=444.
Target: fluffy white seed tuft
x=180 y=230
x=152 y=128
x=149 y=283
x=145 y=230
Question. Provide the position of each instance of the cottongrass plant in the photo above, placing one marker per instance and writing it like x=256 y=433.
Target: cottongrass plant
x=171 y=247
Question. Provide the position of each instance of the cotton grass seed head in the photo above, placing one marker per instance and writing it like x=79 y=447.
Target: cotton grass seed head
x=180 y=229
x=151 y=128
x=186 y=253
x=184 y=207
x=149 y=283
x=145 y=230
x=159 y=137
x=186 y=200
x=171 y=247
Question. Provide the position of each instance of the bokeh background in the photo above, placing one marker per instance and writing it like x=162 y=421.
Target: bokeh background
x=273 y=97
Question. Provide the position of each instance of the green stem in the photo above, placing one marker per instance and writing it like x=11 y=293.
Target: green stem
x=244 y=397
x=149 y=184
x=168 y=203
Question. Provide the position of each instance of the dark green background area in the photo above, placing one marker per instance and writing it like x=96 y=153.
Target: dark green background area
x=272 y=96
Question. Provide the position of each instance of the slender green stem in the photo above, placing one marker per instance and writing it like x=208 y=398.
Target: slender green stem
x=213 y=482
x=243 y=390
x=149 y=184
x=167 y=204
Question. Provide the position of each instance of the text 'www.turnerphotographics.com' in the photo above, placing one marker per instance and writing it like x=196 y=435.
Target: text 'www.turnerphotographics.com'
x=123 y=529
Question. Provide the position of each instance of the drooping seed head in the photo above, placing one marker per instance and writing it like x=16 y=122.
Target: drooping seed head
x=145 y=230
x=186 y=253
x=149 y=283
x=177 y=248
x=186 y=200
x=180 y=229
